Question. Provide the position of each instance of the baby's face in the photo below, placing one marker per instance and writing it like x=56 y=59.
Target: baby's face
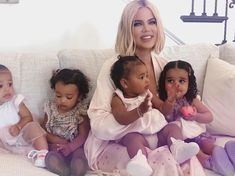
x=177 y=81
x=137 y=82
x=6 y=86
x=66 y=96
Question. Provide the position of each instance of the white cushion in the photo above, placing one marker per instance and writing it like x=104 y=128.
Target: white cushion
x=219 y=96
x=18 y=165
x=36 y=71
x=227 y=52
x=31 y=73
x=196 y=55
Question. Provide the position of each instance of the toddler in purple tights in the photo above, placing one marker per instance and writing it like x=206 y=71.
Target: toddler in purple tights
x=67 y=124
x=177 y=85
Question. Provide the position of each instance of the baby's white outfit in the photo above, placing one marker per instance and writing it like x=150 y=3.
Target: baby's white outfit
x=138 y=165
x=22 y=143
x=9 y=116
x=156 y=117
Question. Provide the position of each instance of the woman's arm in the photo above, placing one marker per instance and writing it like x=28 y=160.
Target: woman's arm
x=102 y=121
x=165 y=107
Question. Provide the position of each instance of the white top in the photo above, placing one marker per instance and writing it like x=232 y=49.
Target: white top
x=9 y=111
x=104 y=127
x=191 y=129
x=156 y=121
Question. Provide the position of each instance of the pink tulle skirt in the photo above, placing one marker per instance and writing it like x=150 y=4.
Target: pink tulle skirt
x=22 y=143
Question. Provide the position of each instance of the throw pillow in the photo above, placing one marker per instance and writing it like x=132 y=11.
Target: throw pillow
x=219 y=96
x=196 y=54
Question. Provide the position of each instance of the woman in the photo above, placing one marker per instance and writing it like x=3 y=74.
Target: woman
x=140 y=33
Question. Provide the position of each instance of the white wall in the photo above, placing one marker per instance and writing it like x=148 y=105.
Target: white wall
x=56 y=24
x=59 y=23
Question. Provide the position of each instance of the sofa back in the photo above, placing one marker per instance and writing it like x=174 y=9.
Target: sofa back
x=32 y=71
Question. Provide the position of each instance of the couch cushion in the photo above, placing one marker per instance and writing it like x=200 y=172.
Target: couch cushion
x=227 y=52
x=219 y=96
x=196 y=55
x=88 y=61
x=18 y=165
x=31 y=73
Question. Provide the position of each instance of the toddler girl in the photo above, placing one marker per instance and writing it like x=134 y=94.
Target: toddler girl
x=66 y=123
x=177 y=85
x=131 y=101
x=18 y=132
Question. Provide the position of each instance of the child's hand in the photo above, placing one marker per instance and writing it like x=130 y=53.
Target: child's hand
x=149 y=98
x=171 y=94
x=14 y=130
x=65 y=149
x=146 y=104
x=53 y=147
x=189 y=112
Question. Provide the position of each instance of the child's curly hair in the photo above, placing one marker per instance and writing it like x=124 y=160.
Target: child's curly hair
x=71 y=76
x=192 y=87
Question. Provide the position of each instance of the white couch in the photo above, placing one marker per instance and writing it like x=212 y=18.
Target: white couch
x=213 y=67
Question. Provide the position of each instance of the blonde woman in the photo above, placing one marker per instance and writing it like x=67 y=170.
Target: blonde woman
x=140 y=33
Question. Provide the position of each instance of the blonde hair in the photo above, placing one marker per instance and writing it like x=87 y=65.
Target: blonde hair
x=124 y=41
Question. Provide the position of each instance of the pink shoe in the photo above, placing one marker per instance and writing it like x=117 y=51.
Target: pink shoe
x=230 y=149
x=38 y=157
x=219 y=162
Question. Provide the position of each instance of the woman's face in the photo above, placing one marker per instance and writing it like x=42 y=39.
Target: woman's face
x=144 y=29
